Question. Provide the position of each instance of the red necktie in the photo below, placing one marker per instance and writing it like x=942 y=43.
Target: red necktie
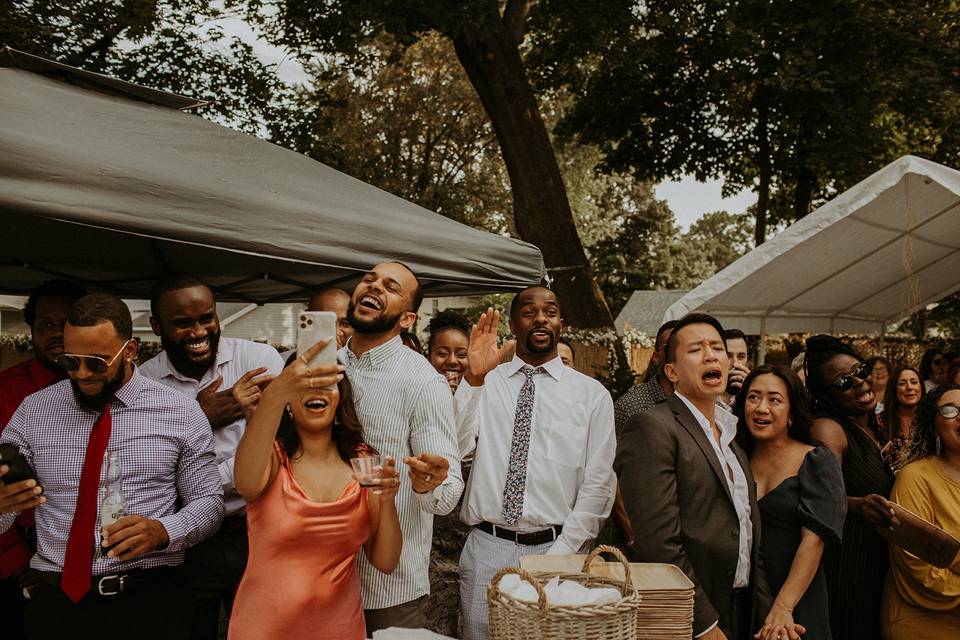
x=78 y=562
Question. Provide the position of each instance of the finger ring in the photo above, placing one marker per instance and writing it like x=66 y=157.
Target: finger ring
x=303 y=359
x=311 y=382
x=427 y=477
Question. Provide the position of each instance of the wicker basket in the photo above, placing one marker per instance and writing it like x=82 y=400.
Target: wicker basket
x=512 y=619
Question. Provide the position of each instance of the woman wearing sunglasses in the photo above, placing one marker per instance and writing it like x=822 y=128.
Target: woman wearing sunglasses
x=845 y=421
x=933 y=368
x=801 y=498
x=920 y=600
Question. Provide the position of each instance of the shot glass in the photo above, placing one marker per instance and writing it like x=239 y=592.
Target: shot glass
x=365 y=469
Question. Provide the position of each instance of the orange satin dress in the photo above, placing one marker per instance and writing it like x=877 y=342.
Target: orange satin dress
x=301 y=579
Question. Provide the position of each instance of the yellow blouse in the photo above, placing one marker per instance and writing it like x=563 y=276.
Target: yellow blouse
x=922 y=487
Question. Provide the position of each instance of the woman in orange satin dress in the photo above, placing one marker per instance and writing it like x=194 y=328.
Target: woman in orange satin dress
x=307 y=516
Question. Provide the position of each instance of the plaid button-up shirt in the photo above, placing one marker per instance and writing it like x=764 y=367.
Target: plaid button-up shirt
x=165 y=448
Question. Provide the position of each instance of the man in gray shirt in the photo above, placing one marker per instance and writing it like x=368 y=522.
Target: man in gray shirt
x=407 y=412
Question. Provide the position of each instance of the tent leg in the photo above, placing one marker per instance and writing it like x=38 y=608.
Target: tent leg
x=762 y=348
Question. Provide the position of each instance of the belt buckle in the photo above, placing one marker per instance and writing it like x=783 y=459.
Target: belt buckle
x=104 y=589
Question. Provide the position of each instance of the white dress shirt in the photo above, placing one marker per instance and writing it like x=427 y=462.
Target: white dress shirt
x=570 y=478
x=235 y=358
x=736 y=479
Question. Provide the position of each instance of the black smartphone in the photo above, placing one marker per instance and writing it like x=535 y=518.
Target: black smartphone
x=19 y=469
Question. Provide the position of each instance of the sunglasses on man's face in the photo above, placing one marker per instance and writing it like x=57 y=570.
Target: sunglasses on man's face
x=948 y=411
x=95 y=364
x=848 y=380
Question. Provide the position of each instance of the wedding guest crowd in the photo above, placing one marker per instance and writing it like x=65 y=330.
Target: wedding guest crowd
x=306 y=500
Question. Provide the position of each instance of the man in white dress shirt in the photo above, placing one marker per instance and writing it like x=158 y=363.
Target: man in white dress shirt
x=542 y=479
x=200 y=364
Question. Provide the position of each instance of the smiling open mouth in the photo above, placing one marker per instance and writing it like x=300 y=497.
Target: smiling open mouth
x=198 y=347
x=317 y=405
x=370 y=302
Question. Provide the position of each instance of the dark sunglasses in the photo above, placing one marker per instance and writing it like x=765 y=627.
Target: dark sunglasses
x=95 y=364
x=847 y=381
x=948 y=411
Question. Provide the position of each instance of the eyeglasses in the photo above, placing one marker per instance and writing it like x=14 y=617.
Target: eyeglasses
x=948 y=411
x=846 y=381
x=95 y=364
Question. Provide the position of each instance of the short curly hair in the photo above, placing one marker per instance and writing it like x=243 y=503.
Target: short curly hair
x=92 y=309
x=50 y=289
x=447 y=319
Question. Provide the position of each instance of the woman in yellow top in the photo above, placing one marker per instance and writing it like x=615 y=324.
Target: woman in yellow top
x=920 y=601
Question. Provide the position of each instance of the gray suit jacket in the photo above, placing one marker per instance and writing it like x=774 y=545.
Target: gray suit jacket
x=682 y=511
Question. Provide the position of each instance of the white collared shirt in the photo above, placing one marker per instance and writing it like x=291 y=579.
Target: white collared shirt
x=235 y=357
x=570 y=478
x=737 y=484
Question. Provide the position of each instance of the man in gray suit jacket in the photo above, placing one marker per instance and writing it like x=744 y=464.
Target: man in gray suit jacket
x=688 y=488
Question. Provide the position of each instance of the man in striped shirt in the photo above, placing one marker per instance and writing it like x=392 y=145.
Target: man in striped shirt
x=407 y=412
x=168 y=475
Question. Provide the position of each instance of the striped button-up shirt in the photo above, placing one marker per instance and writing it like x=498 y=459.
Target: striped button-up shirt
x=406 y=409
x=235 y=358
x=165 y=449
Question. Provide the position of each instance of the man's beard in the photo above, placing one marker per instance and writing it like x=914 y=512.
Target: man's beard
x=380 y=324
x=177 y=352
x=535 y=349
x=42 y=358
x=101 y=399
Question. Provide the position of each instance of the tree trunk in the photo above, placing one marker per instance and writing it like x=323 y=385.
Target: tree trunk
x=764 y=165
x=490 y=56
x=803 y=192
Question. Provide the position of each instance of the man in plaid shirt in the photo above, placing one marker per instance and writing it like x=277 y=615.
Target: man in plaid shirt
x=169 y=480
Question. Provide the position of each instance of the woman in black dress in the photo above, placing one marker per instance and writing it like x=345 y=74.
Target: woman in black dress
x=845 y=421
x=801 y=498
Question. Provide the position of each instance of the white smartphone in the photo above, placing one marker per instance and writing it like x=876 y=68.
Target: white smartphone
x=312 y=327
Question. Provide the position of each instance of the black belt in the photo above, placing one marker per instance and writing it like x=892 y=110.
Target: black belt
x=534 y=537
x=116 y=583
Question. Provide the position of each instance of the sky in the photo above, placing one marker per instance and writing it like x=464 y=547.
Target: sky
x=688 y=199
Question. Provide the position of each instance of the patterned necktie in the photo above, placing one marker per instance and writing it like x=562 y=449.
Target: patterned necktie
x=78 y=560
x=517 y=469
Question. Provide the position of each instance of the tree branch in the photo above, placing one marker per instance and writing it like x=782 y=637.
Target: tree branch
x=515 y=18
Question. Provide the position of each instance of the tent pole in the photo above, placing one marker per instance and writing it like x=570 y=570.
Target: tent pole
x=883 y=337
x=762 y=351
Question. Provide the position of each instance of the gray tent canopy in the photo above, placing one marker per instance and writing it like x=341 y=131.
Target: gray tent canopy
x=108 y=183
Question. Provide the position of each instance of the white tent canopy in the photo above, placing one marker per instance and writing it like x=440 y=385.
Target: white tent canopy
x=873 y=255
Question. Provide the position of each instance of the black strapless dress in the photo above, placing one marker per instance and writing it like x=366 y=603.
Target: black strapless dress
x=815 y=499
